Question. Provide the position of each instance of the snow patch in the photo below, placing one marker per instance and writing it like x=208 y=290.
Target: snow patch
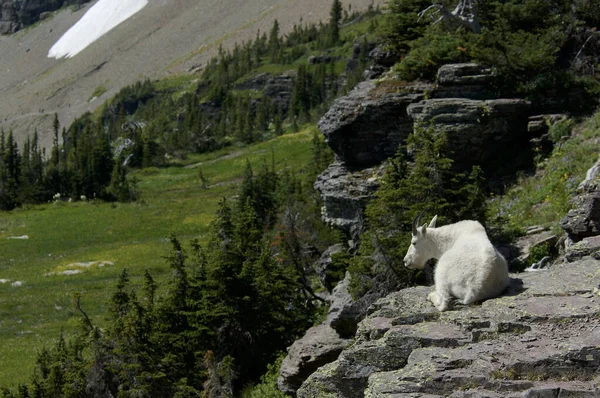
x=16 y=284
x=97 y=21
x=4 y=280
x=77 y=268
x=71 y=272
x=22 y=237
x=88 y=264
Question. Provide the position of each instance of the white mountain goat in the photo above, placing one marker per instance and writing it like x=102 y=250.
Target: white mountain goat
x=469 y=267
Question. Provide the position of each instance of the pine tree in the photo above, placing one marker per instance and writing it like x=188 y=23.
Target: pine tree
x=431 y=183
x=101 y=164
x=120 y=187
x=274 y=44
x=10 y=173
x=334 y=22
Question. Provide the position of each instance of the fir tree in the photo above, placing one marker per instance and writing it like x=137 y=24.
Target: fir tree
x=431 y=183
x=335 y=15
x=274 y=44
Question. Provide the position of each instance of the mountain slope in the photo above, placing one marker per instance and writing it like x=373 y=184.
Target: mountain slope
x=166 y=37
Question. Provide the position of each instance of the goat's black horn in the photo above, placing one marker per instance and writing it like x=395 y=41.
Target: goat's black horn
x=417 y=221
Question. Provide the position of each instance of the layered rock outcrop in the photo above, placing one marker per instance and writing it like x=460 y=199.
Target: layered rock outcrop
x=366 y=127
x=541 y=337
x=17 y=14
x=480 y=132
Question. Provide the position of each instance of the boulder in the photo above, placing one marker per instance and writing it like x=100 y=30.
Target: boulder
x=542 y=335
x=534 y=239
x=383 y=57
x=340 y=316
x=366 y=126
x=319 y=346
x=463 y=81
x=463 y=75
x=583 y=220
x=589 y=246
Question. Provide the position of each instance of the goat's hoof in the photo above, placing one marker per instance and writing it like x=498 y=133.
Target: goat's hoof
x=433 y=298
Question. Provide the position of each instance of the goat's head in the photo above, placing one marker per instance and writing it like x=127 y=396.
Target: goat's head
x=421 y=247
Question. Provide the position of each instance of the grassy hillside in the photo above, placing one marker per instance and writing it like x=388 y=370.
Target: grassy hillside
x=172 y=200
x=543 y=197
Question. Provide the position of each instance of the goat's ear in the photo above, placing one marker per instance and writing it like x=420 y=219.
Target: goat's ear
x=423 y=229
x=433 y=221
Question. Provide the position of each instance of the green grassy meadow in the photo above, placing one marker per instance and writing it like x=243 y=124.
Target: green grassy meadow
x=132 y=236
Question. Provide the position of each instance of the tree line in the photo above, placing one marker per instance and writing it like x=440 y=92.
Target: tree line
x=83 y=166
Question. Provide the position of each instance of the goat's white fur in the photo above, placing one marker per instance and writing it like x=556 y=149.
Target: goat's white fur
x=469 y=267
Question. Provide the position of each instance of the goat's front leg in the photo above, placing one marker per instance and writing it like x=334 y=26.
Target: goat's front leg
x=439 y=301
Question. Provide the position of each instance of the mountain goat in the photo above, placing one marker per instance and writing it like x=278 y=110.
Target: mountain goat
x=469 y=267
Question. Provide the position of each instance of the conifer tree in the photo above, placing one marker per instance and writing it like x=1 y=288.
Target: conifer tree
x=274 y=44
x=431 y=183
x=335 y=15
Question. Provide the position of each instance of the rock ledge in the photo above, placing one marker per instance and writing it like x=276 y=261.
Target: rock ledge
x=542 y=338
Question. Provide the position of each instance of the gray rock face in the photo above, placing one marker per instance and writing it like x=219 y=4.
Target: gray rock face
x=463 y=75
x=17 y=14
x=319 y=346
x=540 y=124
x=583 y=220
x=365 y=127
x=541 y=337
x=340 y=316
x=279 y=89
x=345 y=194
x=589 y=246
x=479 y=132
x=383 y=57
x=324 y=266
x=463 y=81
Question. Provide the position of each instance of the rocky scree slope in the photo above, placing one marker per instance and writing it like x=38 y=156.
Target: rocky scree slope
x=16 y=15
